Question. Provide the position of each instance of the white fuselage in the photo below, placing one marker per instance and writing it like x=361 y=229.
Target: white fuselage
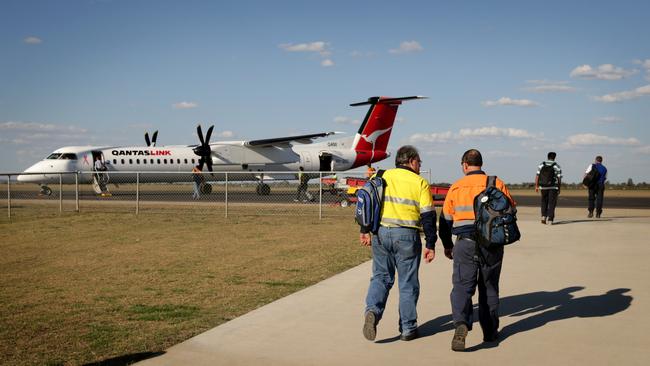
x=166 y=163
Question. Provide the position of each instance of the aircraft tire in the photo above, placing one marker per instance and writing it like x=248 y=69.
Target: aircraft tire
x=45 y=190
x=263 y=189
x=206 y=188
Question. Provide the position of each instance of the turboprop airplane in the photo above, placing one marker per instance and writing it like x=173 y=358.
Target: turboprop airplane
x=250 y=159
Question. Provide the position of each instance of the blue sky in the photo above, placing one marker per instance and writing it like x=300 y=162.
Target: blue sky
x=514 y=80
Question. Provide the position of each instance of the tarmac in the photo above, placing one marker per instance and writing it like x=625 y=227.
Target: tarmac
x=575 y=293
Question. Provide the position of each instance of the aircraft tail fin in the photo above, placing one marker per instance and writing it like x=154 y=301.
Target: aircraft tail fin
x=371 y=141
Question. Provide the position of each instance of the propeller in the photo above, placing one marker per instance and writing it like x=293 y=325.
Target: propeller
x=204 y=150
x=153 y=138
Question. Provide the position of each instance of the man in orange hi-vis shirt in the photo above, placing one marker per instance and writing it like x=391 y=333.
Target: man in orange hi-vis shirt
x=473 y=264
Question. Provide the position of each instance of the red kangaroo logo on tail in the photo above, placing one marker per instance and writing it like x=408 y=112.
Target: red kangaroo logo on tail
x=371 y=140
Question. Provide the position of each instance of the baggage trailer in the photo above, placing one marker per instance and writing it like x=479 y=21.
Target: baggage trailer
x=438 y=192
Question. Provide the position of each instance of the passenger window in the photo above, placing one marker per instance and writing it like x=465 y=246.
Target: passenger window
x=158 y=161
x=151 y=161
x=130 y=161
x=137 y=161
x=178 y=161
x=144 y=161
x=192 y=161
x=185 y=161
x=114 y=161
x=122 y=161
x=165 y=161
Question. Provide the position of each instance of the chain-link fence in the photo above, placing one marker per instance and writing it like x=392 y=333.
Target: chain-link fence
x=219 y=193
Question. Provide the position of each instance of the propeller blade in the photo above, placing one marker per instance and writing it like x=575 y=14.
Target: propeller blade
x=201 y=164
x=146 y=138
x=208 y=135
x=154 y=138
x=208 y=162
x=200 y=133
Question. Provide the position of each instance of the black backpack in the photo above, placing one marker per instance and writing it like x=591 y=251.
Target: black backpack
x=496 y=219
x=591 y=179
x=547 y=175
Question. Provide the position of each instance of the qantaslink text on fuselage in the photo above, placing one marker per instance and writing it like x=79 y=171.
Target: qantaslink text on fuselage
x=142 y=152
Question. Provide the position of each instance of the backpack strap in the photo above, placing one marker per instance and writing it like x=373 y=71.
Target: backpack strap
x=491 y=181
x=380 y=172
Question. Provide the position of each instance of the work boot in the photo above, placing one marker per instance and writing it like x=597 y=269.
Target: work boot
x=370 y=326
x=590 y=214
x=410 y=336
x=550 y=222
x=598 y=215
x=543 y=220
x=458 y=342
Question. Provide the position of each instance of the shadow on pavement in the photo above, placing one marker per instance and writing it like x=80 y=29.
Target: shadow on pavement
x=577 y=221
x=126 y=359
x=548 y=306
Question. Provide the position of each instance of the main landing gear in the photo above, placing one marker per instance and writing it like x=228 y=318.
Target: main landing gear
x=45 y=191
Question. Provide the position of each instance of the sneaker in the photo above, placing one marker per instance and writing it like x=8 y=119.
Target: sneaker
x=458 y=342
x=296 y=200
x=543 y=220
x=370 y=326
x=409 y=337
x=590 y=215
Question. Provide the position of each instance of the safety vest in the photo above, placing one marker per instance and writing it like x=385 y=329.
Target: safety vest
x=406 y=196
x=459 y=202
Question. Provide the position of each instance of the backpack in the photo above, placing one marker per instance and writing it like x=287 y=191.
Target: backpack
x=496 y=219
x=591 y=179
x=547 y=175
x=370 y=199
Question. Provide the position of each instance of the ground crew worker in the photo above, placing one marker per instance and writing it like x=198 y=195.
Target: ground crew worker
x=473 y=265
x=198 y=178
x=551 y=188
x=303 y=180
x=597 y=191
x=407 y=210
x=370 y=171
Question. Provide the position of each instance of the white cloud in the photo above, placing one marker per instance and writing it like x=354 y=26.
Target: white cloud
x=624 y=95
x=406 y=47
x=510 y=101
x=185 y=105
x=476 y=133
x=608 y=119
x=646 y=66
x=225 y=134
x=588 y=139
x=602 y=72
x=32 y=40
x=346 y=121
x=327 y=63
x=643 y=150
x=39 y=127
x=548 y=86
x=319 y=47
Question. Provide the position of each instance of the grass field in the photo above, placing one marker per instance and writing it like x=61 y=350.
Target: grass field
x=80 y=288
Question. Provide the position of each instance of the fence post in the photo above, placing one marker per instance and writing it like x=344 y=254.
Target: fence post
x=76 y=190
x=60 y=193
x=9 y=196
x=137 y=193
x=226 y=194
x=320 y=196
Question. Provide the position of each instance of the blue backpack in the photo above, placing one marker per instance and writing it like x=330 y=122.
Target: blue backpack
x=496 y=219
x=370 y=199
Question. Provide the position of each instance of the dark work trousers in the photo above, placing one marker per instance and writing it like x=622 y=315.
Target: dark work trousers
x=549 y=200
x=467 y=274
x=596 y=197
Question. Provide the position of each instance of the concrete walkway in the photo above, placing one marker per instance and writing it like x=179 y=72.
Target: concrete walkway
x=577 y=293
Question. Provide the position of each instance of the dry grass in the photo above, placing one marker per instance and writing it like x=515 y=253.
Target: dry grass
x=87 y=287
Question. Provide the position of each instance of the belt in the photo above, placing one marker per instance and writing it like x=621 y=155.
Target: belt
x=466 y=236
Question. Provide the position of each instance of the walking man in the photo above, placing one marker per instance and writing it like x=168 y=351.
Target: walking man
x=597 y=189
x=407 y=210
x=549 y=180
x=303 y=181
x=197 y=177
x=473 y=264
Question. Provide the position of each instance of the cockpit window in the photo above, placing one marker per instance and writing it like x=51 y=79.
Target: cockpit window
x=68 y=156
x=53 y=156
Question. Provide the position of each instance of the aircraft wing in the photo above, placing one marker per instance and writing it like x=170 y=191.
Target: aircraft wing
x=284 y=141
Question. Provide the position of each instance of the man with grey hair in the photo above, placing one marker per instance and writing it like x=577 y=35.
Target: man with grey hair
x=407 y=210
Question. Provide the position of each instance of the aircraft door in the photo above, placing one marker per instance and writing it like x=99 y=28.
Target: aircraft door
x=100 y=175
x=326 y=162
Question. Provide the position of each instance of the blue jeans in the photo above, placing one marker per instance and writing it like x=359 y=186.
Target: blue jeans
x=197 y=190
x=396 y=248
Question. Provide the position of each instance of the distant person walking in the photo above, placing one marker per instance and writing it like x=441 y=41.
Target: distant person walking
x=303 y=180
x=594 y=179
x=197 y=177
x=474 y=264
x=549 y=180
x=407 y=210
